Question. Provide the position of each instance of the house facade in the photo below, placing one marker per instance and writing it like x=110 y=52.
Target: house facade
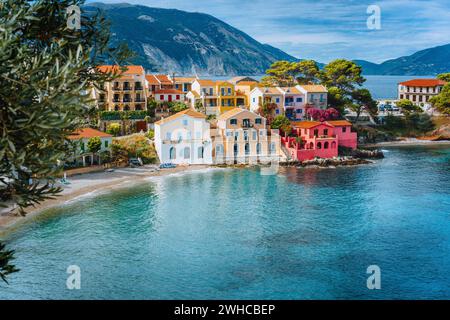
x=157 y=82
x=184 y=138
x=316 y=96
x=216 y=97
x=290 y=101
x=183 y=84
x=127 y=92
x=242 y=137
x=420 y=91
x=169 y=95
x=80 y=139
x=313 y=139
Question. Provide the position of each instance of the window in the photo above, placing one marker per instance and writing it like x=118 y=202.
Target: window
x=82 y=146
x=277 y=100
x=255 y=135
x=178 y=97
x=168 y=136
x=254 y=99
x=316 y=132
x=299 y=110
x=222 y=90
x=161 y=97
x=200 y=152
x=319 y=145
x=172 y=153
x=106 y=143
x=233 y=121
x=321 y=98
x=277 y=111
x=273 y=148
x=219 y=150
x=326 y=145
x=185 y=122
x=247 y=149
x=299 y=99
x=258 y=148
x=325 y=132
x=187 y=153
x=258 y=121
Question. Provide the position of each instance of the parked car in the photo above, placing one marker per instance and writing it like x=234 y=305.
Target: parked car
x=167 y=166
x=135 y=162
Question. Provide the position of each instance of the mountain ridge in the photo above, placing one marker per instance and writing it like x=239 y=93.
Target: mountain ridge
x=186 y=43
x=430 y=61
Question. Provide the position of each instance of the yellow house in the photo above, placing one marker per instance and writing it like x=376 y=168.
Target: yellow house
x=228 y=97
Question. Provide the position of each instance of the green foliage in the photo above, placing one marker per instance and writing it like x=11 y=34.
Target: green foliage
x=287 y=74
x=412 y=124
x=46 y=75
x=343 y=74
x=178 y=107
x=151 y=134
x=407 y=106
x=94 y=144
x=267 y=110
x=199 y=106
x=113 y=129
x=362 y=100
x=6 y=268
x=282 y=123
x=135 y=146
x=124 y=115
x=211 y=117
x=442 y=101
x=444 y=77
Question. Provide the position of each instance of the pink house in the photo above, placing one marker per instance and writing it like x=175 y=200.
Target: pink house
x=343 y=131
x=311 y=139
x=169 y=95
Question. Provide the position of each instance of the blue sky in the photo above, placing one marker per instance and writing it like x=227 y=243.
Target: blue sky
x=325 y=29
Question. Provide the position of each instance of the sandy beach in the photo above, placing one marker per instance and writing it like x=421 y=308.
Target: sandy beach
x=98 y=182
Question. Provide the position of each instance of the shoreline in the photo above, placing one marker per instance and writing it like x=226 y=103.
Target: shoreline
x=406 y=142
x=90 y=184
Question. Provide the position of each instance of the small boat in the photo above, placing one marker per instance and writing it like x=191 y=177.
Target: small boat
x=167 y=166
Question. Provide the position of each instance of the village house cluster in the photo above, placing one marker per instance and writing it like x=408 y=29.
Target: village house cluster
x=223 y=124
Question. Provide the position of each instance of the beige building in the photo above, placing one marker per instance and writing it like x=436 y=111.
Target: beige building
x=242 y=136
x=420 y=91
x=127 y=92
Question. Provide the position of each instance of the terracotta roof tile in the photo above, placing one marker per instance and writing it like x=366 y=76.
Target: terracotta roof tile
x=86 y=133
x=424 y=83
x=189 y=112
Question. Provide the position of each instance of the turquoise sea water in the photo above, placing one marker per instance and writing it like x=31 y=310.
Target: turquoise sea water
x=235 y=234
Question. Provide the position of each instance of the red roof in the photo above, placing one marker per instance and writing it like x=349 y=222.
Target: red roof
x=152 y=79
x=164 y=79
x=87 y=133
x=423 y=83
x=169 y=91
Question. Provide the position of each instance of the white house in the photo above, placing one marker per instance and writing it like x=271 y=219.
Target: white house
x=316 y=95
x=184 y=138
x=169 y=95
x=81 y=138
x=420 y=91
x=290 y=101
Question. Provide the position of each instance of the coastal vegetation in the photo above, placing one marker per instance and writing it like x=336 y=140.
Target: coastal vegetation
x=134 y=146
x=343 y=79
x=47 y=75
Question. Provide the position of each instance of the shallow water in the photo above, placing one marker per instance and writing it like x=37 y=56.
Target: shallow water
x=235 y=234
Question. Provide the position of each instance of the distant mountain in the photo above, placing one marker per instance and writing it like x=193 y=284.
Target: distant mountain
x=425 y=62
x=168 y=40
